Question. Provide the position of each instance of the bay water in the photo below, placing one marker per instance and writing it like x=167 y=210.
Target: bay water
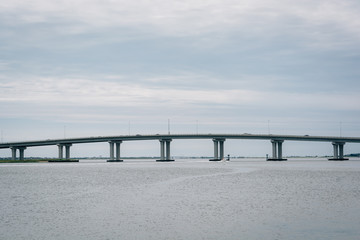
x=185 y=199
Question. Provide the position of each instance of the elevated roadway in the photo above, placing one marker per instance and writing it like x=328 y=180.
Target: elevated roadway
x=165 y=139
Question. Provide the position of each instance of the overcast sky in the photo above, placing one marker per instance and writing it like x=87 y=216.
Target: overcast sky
x=76 y=68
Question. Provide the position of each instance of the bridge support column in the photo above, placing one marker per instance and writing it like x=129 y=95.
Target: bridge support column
x=274 y=150
x=341 y=150
x=117 y=148
x=280 y=149
x=222 y=149
x=162 y=150
x=111 y=151
x=21 y=153
x=168 y=156
x=338 y=151
x=117 y=145
x=218 y=149
x=61 y=152
x=67 y=151
x=277 y=151
x=13 y=153
x=165 y=155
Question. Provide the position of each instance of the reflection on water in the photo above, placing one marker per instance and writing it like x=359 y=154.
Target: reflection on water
x=186 y=199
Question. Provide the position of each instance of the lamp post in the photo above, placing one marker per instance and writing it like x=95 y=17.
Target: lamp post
x=169 y=126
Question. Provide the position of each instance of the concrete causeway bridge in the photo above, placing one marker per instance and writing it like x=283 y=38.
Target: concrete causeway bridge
x=165 y=140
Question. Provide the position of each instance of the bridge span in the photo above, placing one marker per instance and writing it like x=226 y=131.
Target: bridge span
x=165 y=140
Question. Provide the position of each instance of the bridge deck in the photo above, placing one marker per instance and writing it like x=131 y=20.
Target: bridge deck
x=179 y=136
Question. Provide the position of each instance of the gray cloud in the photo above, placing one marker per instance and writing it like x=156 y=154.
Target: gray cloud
x=329 y=24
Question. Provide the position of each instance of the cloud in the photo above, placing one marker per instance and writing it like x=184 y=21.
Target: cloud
x=102 y=100
x=83 y=92
x=325 y=24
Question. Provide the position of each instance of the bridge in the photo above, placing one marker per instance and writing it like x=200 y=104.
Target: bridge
x=165 y=140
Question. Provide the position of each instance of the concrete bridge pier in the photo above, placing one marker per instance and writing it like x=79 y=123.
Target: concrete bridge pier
x=61 y=152
x=67 y=150
x=165 y=151
x=117 y=148
x=276 y=151
x=218 y=149
x=338 y=151
x=13 y=153
x=21 y=153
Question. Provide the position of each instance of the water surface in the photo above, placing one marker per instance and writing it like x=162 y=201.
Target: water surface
x=185 y=199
